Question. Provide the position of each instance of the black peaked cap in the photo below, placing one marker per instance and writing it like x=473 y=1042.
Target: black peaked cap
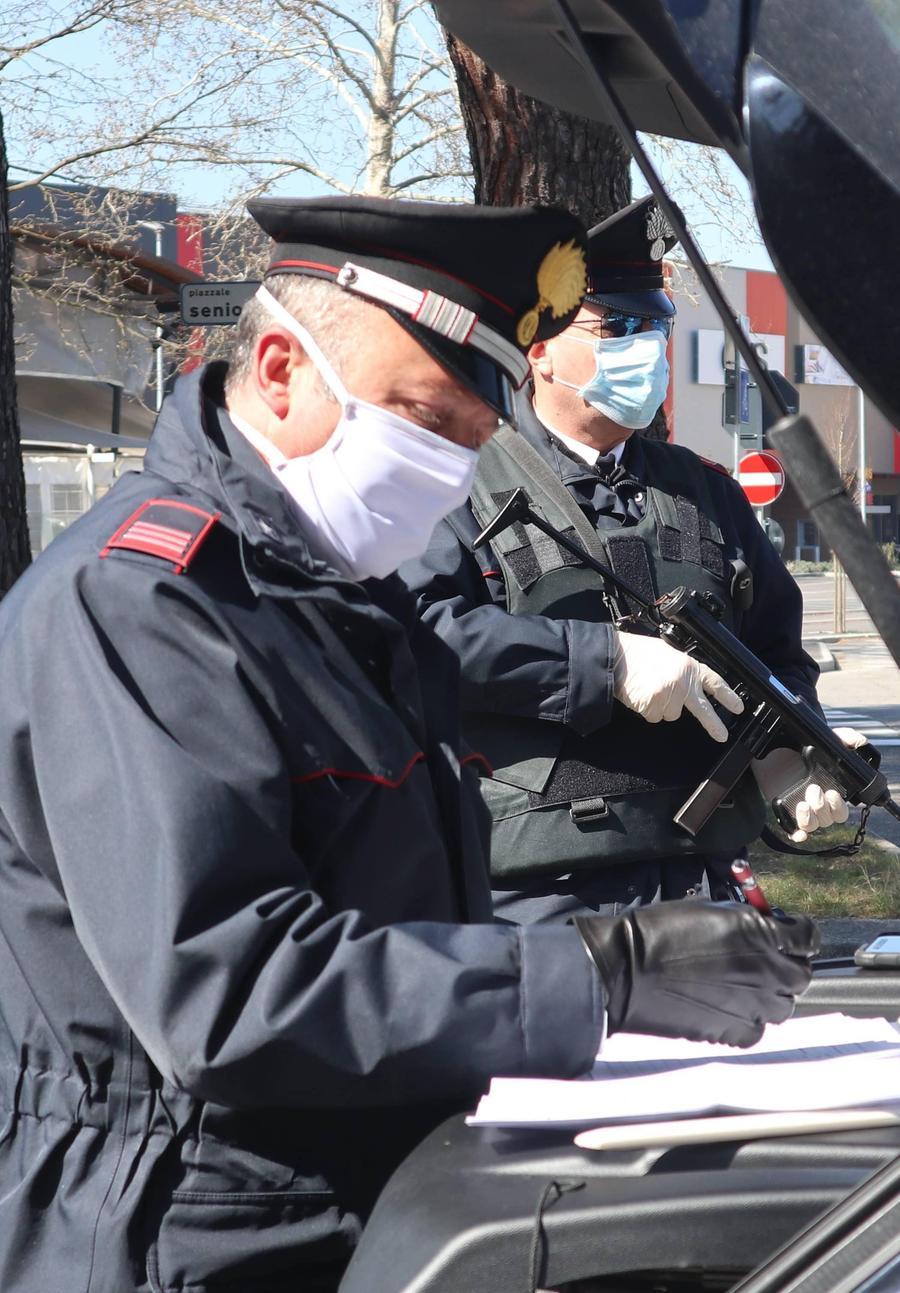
x=625 y=259
x=519 y=272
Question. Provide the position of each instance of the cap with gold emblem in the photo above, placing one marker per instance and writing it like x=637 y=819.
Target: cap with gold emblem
x=625 y=260
x=474 y=285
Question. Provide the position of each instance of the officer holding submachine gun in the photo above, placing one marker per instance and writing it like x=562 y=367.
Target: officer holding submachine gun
x=598 y=732
x=774 y=719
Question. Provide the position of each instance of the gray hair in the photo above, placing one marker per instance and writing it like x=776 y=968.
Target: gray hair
x=329 y=313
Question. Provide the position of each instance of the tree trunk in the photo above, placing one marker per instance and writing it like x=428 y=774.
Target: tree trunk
x=15 y=551
x=524 y=151
x=381 y=120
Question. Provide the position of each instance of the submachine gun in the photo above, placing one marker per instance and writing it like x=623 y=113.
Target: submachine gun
x=773 y=716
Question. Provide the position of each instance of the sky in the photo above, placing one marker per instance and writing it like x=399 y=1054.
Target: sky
x=718 y=245
x=198 y=188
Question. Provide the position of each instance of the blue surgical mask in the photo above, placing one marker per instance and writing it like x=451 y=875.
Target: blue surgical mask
x=631 y=377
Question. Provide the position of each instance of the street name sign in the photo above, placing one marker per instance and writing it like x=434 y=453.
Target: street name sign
x=207 y=305
x=761 y=477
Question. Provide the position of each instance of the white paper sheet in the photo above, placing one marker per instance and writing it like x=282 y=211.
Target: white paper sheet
x=820 y=1062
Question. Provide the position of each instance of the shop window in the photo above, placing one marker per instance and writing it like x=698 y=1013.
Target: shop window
x=807 y=548
x=885 y=525
x=33 y=510
x=67 y=502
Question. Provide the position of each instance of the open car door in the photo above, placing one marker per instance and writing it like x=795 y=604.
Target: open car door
x=805 y=97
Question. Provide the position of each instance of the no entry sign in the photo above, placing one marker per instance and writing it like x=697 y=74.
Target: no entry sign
x=761 y=477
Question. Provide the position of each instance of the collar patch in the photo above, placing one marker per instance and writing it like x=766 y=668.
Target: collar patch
x=164 y=528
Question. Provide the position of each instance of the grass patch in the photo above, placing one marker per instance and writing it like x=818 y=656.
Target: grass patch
x=866 y=885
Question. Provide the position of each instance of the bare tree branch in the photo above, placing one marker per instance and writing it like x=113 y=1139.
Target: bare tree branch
x=442 y=132
x=347 y=69
x=343 y=16
x=418 y=77
x=431 y=175
x=339 y=101
x=117 y=146
x=84 y=22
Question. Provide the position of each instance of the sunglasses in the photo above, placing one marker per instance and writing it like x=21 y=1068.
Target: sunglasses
x=618 y=324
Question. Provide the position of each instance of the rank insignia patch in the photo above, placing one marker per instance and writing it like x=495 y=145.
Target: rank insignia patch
x=165 y=528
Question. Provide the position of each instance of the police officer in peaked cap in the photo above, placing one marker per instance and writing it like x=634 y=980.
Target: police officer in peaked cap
x=597 y=736
x=246 y=944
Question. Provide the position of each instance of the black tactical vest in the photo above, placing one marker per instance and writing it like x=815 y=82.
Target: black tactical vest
x=561 y=802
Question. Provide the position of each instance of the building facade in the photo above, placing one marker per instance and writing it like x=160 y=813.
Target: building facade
x=695 y=406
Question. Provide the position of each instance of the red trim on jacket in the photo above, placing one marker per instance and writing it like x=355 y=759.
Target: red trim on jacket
x=716 y=466
x=352 y=775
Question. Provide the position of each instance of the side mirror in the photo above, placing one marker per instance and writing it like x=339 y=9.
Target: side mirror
x=803 y=94
x=822 y=119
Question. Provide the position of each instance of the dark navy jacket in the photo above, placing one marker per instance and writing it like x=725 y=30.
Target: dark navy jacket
x=241 y=875
x=560 y=670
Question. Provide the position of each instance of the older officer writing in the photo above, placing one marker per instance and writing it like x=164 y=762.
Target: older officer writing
x=597 y=736
x=245 y=932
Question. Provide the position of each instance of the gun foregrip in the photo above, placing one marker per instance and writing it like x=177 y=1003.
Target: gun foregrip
x=785 y=806
x=874 y=792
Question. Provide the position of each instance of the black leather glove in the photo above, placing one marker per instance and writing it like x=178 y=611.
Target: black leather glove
x=702 y=970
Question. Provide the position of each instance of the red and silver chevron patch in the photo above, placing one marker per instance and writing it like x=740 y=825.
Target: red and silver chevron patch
x=165 y=528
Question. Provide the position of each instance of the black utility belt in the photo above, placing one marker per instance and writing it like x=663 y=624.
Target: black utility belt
x=531 y=836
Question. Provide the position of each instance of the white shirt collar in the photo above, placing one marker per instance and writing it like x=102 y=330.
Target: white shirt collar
x=585 y=451
x=269 y=452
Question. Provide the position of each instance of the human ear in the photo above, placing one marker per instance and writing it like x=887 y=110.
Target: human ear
x=541 y=360
x=275 y=362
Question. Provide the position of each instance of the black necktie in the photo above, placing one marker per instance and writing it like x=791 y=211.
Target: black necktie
x=609 y=493
x=605 y=490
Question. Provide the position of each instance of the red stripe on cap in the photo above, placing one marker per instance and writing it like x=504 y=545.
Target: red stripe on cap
x=351 y=775
x=436 y=269
x=410 y=260
x=303 y=264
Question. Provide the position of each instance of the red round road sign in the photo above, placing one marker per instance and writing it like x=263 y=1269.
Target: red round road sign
x=761 y=477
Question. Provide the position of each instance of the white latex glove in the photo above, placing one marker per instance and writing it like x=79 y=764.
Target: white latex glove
x=658 y=682
x=818 y=809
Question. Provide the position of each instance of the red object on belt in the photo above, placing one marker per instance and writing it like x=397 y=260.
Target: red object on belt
x=750 y=887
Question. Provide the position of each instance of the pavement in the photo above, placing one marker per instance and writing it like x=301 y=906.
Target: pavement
x=818 y=608
x=862 y=691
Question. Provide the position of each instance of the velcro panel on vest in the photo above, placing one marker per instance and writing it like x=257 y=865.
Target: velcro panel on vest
x=572 y=779
x=628 y=756
x=711 y=555
x=629 y=559
x=689 y=523
x=529 y=552
x=695 y=539
x=669 y=543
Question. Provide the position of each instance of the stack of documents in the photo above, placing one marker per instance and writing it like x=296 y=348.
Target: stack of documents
x=820 y=1062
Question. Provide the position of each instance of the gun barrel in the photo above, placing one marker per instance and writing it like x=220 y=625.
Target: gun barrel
x=861 y=782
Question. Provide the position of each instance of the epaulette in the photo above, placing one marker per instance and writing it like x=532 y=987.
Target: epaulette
x=165 y=528
x=716 y=466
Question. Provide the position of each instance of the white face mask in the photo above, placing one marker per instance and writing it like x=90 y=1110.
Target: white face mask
x=372 y=495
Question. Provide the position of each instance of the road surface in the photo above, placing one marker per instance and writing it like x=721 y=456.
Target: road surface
x=818 y=603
